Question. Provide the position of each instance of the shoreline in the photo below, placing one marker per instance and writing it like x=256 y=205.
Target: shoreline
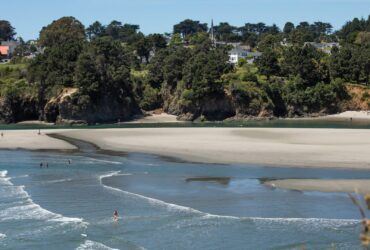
x=304 y=148
x=357 y=117
x=289 y=144
x=276 y=147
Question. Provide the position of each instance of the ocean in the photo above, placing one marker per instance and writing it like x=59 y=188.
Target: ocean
x=165 y=204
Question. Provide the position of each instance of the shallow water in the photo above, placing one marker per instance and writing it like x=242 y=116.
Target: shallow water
x=70 y=206
x=276 y=123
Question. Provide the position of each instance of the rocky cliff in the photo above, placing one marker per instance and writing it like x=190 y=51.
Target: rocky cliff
x=70 y=108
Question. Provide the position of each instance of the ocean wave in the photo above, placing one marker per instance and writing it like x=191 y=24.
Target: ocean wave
x=11 y=191
x=168 y=206
x=324 y=222
x=104 y=161
x=316 y=221
x=3 y=173
x=34 y=211
x=90 y=245
x=20 y=176
x=24 y=208
x=2 y=236
x=4 y=180
x=57 y=181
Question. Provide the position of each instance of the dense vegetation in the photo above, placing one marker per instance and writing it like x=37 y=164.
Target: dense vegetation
x=105 y=73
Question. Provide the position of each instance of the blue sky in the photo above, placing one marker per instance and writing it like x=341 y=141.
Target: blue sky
x=158 y=16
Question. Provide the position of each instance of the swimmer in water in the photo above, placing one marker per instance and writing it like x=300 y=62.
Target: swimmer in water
x=115 y=215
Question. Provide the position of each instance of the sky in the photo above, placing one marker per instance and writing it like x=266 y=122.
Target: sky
x=159 y=16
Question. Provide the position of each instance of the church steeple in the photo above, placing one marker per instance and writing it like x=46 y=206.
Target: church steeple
x=212 y=34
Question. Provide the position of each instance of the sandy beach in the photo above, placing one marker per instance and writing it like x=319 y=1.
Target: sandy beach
x=31 y=140
x=339 y=148
x=354 y=115
x=156 y=118
x=347 y=186
x=336 y=148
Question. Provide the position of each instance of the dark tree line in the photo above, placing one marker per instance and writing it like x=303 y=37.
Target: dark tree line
x=185 y=73
x=7 y=31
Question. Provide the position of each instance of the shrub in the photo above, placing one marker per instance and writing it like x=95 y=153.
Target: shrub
x=150 y=99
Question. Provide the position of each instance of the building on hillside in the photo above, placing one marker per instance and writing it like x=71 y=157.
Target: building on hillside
x=236 y=54
x=241 y=53
x=252 y=56
x=11 y=45
x=324 y=47
x=4 y=51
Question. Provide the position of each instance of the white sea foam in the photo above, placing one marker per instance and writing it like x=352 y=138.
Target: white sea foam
x=92 y=245
x=323 y=222
x=104 y=161
x=2 y=236
x=11 y=191
x=32 y=211
x=4 y=180
x=20 y=176
x=168 y=206
x=318 y=221
x=58 y=181
x=3 y=173
x=23 y=207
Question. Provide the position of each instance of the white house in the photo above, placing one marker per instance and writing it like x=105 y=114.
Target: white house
x=238 y=53
x=325 y=47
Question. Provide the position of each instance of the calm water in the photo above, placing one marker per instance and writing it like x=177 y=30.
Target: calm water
x=277 y=123
x=70 y=206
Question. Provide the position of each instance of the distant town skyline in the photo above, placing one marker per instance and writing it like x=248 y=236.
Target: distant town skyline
x=159 y=16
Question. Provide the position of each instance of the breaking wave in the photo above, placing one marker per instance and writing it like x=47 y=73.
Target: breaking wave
x=323 y=222
x=24 y=208
x=89 y=244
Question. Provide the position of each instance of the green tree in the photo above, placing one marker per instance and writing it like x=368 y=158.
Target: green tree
x=95 y=30
x=143 y=48
x=269 y=42
x=306 y=63
x=103 y=69
x=61 y=31
x=226 y=32
x=7 y=31
x=188 y=27
x=288 y=28
x=128 y=33
x=203 y=71
x=176 y=40
x=63 y=40
x=268 y=63
x=158 y=41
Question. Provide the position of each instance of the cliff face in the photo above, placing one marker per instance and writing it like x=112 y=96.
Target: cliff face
x=359 y=98
x=67 y=109
x=210 y=108
x=18 y=109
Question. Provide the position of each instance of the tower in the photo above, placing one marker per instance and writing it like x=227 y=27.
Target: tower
x=212 y=34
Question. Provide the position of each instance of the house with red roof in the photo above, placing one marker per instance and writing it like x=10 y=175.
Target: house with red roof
x=4 y=51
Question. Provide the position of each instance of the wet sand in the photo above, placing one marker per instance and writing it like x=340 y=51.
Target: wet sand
x=338 y=148
x=347 y=186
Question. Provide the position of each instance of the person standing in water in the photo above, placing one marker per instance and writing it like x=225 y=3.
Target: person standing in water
x=115 y=215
